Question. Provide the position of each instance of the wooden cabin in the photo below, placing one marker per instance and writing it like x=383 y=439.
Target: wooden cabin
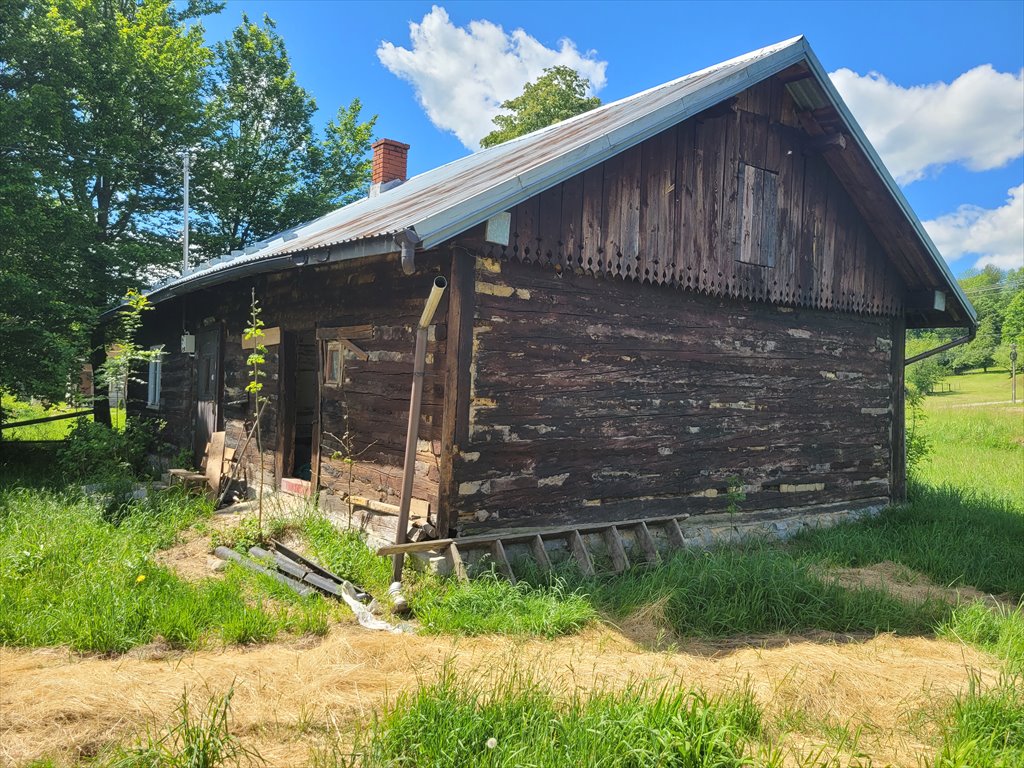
x=697 y=292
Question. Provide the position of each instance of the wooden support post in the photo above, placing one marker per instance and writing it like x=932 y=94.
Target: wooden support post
x=501 y=560
x=458 y=567
x=579 y=551
x=646 y=542
x=540 y=554
x=898 y=442
x=620 y=560
x=455 y=418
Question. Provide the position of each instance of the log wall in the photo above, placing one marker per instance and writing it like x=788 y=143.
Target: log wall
x=365 y=417
x=605 y=399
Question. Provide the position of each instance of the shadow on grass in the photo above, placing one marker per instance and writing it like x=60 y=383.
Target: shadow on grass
x=953 y=536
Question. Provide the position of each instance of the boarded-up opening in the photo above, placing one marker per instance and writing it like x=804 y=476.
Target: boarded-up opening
x=757 y=216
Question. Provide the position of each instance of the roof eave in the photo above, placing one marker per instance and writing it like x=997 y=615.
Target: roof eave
x=894 y=189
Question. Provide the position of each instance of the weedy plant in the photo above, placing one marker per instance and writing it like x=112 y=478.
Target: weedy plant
x=200 y=739
x=515 y=720
x=256 y=360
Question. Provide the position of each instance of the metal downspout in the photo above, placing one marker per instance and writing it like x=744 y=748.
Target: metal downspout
x=942 y=347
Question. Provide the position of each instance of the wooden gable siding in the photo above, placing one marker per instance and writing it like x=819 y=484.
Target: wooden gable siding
x=670 y=211
x=605 y=399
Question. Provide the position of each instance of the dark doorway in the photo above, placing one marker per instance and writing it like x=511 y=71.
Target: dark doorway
x=298 y=409
x=207 y=389
x=306 y=394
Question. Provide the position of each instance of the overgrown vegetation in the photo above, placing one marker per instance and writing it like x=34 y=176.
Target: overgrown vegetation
x=984 y=727
x=517 y=721
x=756 y=589
x=200 y=739
x=71 y=577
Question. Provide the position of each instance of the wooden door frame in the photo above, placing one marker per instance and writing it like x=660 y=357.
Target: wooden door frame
x=284 y=458
x=216 y=330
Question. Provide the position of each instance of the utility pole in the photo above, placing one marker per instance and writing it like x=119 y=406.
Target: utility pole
x=184 y=228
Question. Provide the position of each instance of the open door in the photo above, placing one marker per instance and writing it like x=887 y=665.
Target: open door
x=207 y=389
x=298 y=426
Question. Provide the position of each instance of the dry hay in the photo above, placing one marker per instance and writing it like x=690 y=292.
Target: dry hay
x=909 y=585
x=288 y=696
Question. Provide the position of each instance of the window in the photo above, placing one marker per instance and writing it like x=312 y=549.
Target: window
x=153 y=381
x=334 y=363
x=757 y=217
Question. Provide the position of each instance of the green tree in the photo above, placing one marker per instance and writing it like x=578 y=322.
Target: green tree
x=263 y=169
x=558 y=94
x=97 y=100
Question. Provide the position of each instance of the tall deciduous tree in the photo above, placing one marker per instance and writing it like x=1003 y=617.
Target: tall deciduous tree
x=97 y=100
x=264 y=168
x=558 y=94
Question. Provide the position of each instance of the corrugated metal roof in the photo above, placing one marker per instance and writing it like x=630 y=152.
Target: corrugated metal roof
x=452 y=198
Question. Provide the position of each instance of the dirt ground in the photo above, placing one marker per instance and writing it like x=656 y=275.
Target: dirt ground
x=292 y=697
x=295 y=696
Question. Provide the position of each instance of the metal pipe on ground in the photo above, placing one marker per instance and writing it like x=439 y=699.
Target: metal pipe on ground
x=412 y=433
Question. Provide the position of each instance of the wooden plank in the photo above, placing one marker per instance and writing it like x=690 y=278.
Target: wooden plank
x=572 y=221
x=271 y=337
x=459 y=354
x=897 y=443
x=617 y=550
x=309 y=565
x=549 y=225
x=540 y=554
x=336 y=333
x=458 y=567
x=646 y=542
x=355 y=350
x=511 y=536
x=215 y=461
x=501 y=560
x=224 y=553
x=41 y=420
x=579 y=551
x=592 y=231
x=284 y=456
x=314 y=461
x=675 y=533
x=630 y=213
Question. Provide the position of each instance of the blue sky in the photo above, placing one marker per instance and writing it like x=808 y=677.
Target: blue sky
x=974 y=126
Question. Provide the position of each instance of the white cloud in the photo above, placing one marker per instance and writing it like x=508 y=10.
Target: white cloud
x=463 y=74
x=977 y=120
x=996 y=235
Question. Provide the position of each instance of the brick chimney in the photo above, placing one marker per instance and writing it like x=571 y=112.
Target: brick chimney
x=390 y=160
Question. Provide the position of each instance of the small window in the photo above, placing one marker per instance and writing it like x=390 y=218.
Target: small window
x=334 y=363
x=757 y=218
x=153 y=380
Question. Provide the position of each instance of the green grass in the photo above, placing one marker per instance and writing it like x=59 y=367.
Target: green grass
x=953 y=536
x=999 y=631
x=978 y=387
x=444 y=606
x=70 y=577
x=20 y=410
x=194 y=740
x=984 y=727
x=757 y=589
x=517 y=721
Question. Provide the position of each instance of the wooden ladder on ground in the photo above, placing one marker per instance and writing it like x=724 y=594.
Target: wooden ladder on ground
x=624 y=544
